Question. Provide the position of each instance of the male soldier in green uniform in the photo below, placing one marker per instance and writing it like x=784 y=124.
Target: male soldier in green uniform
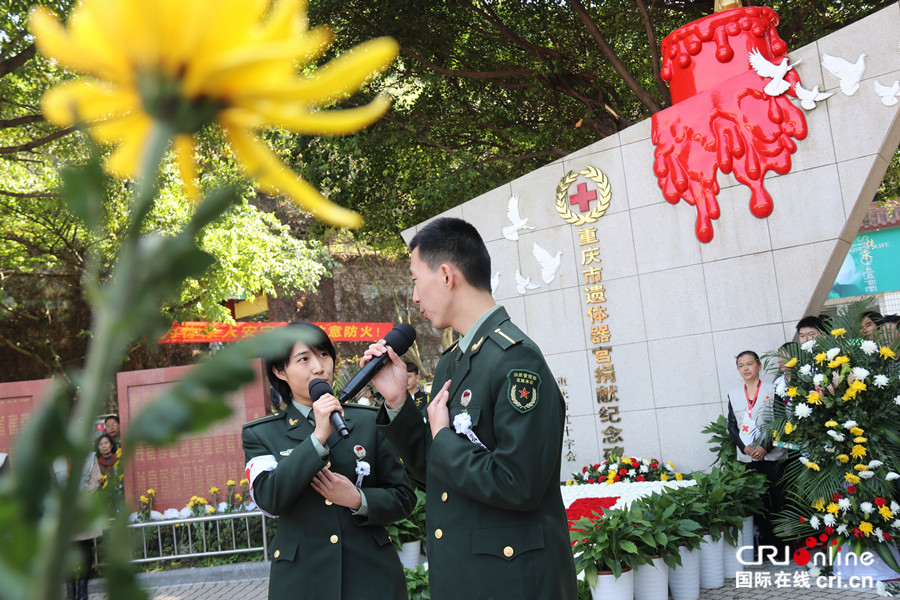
x=491 y=449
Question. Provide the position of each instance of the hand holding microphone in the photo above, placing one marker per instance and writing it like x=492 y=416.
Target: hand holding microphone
x=319 y=388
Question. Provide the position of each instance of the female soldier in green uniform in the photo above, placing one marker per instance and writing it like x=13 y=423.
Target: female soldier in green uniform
x=332 y=496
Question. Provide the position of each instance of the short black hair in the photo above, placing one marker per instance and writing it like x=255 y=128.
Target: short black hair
x=411 y=367
x=750 y=352
x=454 y=241
x=892 y=318
x=307 y=333
x=811 y=321
x=875 y=316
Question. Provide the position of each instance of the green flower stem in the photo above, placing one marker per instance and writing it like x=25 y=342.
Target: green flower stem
x=111 y=336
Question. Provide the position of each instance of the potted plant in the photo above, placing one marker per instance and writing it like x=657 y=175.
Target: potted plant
x=608 y=548
x=407 y=534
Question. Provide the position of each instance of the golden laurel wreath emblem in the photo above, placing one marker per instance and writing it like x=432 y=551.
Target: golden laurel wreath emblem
x=562 y=195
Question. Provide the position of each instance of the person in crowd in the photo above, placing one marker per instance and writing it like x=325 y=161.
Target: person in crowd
x=111 y=428
x=889 y=327
x=808 y=328
x=332 y=496
x=750 y=406
x=871 y=321
x=419 y=397
x=106 y=454
x=89 y=482
x=490 y=450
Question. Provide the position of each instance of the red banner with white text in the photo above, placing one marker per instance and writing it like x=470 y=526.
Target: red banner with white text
x=192 y=332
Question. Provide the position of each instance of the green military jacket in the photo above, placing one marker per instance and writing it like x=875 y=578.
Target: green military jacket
x=322 y=551
x=495 y=518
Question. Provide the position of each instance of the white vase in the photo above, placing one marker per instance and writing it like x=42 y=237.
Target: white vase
x=730 y=562
x=410 y=554
x=651 y=582
x=684 y=581
x=712 y=573
x=610 y=587
x=749 y=538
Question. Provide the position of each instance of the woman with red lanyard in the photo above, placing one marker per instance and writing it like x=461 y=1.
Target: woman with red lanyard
x=749 y=408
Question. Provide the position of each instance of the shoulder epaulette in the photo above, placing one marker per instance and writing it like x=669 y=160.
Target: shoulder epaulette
x=267 y=418
x=506 y=337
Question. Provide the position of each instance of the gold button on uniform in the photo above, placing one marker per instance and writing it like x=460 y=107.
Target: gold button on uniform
x=444 y=497
x=438 y=533
x=277 y=553
x=508 y=551
x=328 y=502
x=334 y=539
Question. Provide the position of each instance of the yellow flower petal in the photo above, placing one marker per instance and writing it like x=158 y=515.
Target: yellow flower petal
x=126 y=159
x=326 y=122
x=791 y=363
x=183 y=146
x=85 y=100
x=274 y=177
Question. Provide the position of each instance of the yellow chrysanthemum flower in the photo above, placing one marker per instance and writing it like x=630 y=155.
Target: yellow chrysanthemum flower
x=144 y=499
x=831 y=424
x=119 y=453
x=855 y=430
x=833 y=508
x=568 y=482
x=811 y=465
x=861 y=467
x=851 y=478
x=664 y=477
x=843 y=458
x=151 y=492
x=887 y=352
x=838 y=361
x=210 y=510
x=679 y=477
x=814 y=397
x=858 y=451
x=866 y=527
x=838 y=332
x=819 y=504
x=788 y=428
x=626 y=460
x=238 y=497
x=230 y=482
x=858 y=385
x=213 y=490
x=886 y=512
x=186 y=64
x=244 y=482
x=791 y=363
x=792 y=391
x=820 y=357
x=860 y=440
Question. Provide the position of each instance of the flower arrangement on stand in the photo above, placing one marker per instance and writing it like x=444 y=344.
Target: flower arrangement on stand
x=617 y=469
x=842 y=415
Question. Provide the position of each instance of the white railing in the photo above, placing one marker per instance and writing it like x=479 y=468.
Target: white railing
x=200 y=537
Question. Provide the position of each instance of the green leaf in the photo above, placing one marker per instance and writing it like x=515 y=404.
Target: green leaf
x=628 y=546
x=84 y=190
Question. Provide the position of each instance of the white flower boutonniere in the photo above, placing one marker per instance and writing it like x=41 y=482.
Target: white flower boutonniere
x=362 y=467
x=462 y=423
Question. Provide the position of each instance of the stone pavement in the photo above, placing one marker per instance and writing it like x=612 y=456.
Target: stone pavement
x=249 y=581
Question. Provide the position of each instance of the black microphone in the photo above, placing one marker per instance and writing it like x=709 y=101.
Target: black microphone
x=400 y=338
x=317 y=389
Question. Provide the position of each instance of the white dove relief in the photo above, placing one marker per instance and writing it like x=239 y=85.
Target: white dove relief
x=495 y=281
x=523 y=284
x=808 y=98
x=766 y=68
x=847 y=72
x=511 y=232
x=549 y=264
x=889 y=95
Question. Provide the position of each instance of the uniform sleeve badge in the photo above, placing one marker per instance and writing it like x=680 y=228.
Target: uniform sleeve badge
x=523 y=389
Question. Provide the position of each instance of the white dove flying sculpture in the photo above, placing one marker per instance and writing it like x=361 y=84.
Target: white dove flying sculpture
x=766 y=68
x=808 y=98
x=889 y=94
x=847 y=72
x=549 y=263
x=523 y=284
x=511 y=232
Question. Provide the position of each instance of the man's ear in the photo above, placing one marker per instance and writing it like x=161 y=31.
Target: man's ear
x=449 y=275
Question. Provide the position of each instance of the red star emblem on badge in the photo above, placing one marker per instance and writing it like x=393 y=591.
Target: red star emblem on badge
x=523 y=393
